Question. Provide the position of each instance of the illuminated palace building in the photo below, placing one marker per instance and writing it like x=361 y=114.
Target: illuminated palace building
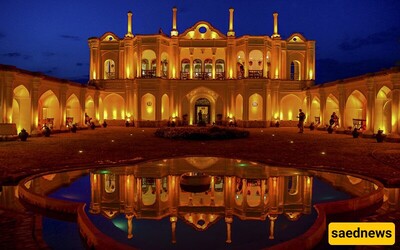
x=254 y=81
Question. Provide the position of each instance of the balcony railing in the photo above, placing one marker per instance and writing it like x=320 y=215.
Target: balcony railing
x=184 y=75
x=110 y=75
x=255 y=73
x=202 y=75
x=148 y=73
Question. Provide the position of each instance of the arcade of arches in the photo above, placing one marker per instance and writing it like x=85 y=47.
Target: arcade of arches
x=151 y=79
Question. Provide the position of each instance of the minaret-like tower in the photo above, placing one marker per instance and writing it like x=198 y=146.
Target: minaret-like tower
x=174 y=31
x=231 y=32
x=276 y=34
x=129 y=33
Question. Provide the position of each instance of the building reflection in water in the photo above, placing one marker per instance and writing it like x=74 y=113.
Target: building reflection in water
x=238 y=190
x=245 y=190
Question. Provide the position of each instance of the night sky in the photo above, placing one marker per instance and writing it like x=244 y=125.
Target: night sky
x=353 y=37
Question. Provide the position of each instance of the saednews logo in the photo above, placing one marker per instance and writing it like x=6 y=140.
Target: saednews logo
x=361 y=233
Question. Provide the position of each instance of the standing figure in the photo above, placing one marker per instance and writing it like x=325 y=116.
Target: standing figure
x=301 y=117
x=335 y=119
x=200 y=114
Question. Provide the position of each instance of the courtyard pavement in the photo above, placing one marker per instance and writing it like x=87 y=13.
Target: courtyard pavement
x=121 y=145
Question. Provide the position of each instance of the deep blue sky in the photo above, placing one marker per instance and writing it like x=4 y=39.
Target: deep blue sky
x=353 y=37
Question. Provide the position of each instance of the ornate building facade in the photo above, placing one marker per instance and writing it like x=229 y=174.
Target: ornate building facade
x=152 y=79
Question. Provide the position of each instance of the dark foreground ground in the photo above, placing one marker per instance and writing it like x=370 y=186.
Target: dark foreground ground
x=279 y=146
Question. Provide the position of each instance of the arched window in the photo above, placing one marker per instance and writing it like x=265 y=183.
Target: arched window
x=154 y=64
x=295 y=70
x=185 y=68
x=197 y=68
x=109 y=183
x=220 y=69
x=109 y=69
x=293 y=185
x=145 y=64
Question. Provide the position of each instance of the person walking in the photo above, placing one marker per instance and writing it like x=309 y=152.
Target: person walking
x=302 y=118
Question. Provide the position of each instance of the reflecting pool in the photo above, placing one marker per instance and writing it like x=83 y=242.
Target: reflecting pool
x=245 y=205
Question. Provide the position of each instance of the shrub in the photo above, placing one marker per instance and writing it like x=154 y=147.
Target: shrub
x=201 y=133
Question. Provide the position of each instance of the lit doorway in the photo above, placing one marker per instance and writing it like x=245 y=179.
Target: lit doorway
x=202 y=110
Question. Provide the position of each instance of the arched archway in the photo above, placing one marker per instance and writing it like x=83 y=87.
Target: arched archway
x=355 y=108
x=255 y=107
x=114 y=107
x=290 y=104
x=165 y=114
x=203 y=110
x=315 y=110
x=332 y=105
x=239 y=107
x=148 y=105
x=49 y=110
x=89 y=108
x=21 y=115
x=383 y=111
x=73 y=110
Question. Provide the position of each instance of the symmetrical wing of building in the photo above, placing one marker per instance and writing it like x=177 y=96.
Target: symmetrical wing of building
x=151 y=79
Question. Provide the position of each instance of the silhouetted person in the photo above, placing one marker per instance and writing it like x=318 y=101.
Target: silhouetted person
x=302 y=118
x=200 y=114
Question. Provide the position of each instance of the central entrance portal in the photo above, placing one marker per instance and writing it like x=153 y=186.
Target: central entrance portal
x=202 y=110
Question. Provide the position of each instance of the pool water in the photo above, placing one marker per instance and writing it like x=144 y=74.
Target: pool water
x=250 y=205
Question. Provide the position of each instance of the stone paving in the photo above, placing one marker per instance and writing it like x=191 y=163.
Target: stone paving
x=113 y=145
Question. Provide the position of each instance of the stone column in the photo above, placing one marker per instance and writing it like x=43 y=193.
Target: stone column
x=342 y=106
x=8 y=97
x=275 y=100
x=96 y=101
x=129 y=218
x=371 y=97
x=95 y=187
x=35 y=104
x=82 y=102
x=309 y=119
x=62 y=105
x=395 y=133
x=322 y=107
x=129 y=31
x=231 y=32
x=228 y=221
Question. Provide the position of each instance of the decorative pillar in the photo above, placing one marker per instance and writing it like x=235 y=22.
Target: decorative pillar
x=94 y=59
x=310 y=61
x=95 y=188
x=322 y=106
x=174 y=31
x=173 y=220
x=228 y=221
x=96 y=101
x=63 y=104
x=82 y=101
x=8 y=97
x=308 y=100
x=371 y=98
x=136 y=104
x=129 y=218
x=275 y=100
x=34 y=104
x=276 y=34
x=128 y=100
x=272 y=218
x=129 y=32
x=231 y=32
x=342 y=106
x=191 y=68
x=395 y=132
